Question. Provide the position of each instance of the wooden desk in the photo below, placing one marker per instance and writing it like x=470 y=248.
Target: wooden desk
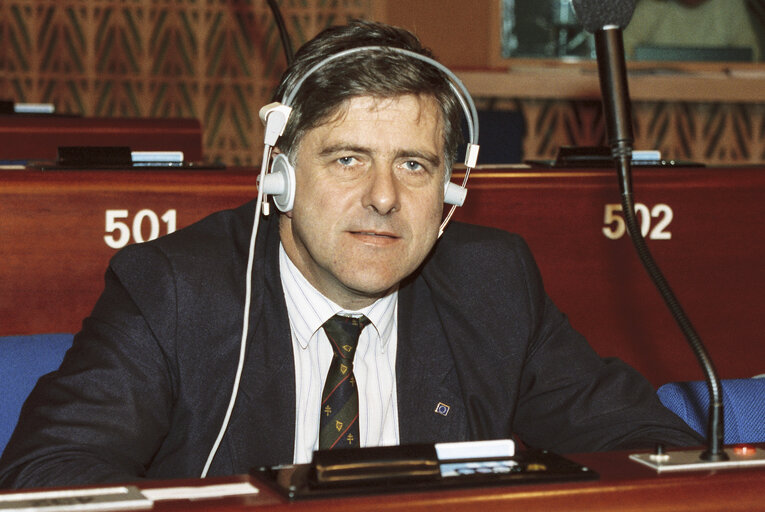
x=704 y=227
x=38 y=137
x=59 y=229
x=623 y=486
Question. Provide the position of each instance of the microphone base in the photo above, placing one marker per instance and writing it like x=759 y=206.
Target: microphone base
x=739 y=456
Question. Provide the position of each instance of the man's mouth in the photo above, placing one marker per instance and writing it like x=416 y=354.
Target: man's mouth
x=373 y=236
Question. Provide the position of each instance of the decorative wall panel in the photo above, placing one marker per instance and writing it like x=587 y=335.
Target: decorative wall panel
x=219 y=60
x=712 y=133
x=214 y=60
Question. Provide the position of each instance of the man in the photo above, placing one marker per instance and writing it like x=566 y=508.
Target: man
x=460 y=341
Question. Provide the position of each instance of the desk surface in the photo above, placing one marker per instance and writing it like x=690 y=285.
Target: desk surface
x=623 y=485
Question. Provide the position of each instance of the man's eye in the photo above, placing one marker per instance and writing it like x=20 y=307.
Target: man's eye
x=346 y=160
x=411 y=165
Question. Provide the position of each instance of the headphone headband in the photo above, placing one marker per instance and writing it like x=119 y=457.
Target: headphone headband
x=279 y=183
x=459 y=89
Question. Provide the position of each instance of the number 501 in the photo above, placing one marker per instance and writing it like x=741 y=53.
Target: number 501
x=116 y=225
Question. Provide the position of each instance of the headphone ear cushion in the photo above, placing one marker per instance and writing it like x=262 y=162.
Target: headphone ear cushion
x=280 y=183
x=454 y=194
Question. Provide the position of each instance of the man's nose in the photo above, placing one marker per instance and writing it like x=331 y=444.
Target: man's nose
x=382 y=192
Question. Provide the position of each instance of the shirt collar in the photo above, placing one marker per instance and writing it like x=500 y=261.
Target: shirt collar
x=308 y=309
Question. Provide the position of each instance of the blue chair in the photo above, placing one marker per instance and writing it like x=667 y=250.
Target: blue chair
x=23 y=360
x=501 y=137
x=743 y=407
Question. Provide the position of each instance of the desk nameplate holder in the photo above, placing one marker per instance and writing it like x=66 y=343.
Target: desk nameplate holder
x=119 y=158
x=740 y=456
x=413 y=468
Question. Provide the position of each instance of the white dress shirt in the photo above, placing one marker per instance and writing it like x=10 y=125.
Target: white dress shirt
x=374 y=366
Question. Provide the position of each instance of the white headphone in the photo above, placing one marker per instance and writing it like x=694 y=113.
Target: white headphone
x=280 y=181
x=280 y=184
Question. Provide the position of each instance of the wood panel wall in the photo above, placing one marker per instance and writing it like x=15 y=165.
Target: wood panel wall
x=219 y=61
x=214 y=61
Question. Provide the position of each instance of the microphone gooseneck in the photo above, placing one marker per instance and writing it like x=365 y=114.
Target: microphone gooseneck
x=289 y=54
x=606 y=19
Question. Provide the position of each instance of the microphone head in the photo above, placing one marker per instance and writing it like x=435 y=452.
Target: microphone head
x=596 y=14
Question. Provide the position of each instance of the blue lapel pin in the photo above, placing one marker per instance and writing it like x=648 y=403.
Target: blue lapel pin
x=442 y=409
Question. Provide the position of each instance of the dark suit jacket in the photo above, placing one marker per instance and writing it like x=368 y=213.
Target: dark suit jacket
x=144 y=389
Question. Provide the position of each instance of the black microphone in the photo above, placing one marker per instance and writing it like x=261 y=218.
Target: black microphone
x=606 y=19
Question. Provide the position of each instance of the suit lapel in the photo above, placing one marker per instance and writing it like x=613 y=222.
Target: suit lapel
x=429 y=398
x=263 y=422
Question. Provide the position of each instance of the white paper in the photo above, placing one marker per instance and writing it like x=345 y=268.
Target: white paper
x=492 y=449
x=195 y=493
x=102 y=498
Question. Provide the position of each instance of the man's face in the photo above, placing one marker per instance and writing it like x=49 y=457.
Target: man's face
x=369 y=197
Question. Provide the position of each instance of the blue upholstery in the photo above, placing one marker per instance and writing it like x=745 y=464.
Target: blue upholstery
x=24 y=359
x=743 y=406
x=501 y=135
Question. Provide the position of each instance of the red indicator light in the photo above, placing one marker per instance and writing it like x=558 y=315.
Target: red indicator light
x=744 y=449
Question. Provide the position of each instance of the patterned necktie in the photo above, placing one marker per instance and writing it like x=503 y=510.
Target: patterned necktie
x=339 y=425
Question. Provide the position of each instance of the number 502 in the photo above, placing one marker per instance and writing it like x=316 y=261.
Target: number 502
x=660 y=216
